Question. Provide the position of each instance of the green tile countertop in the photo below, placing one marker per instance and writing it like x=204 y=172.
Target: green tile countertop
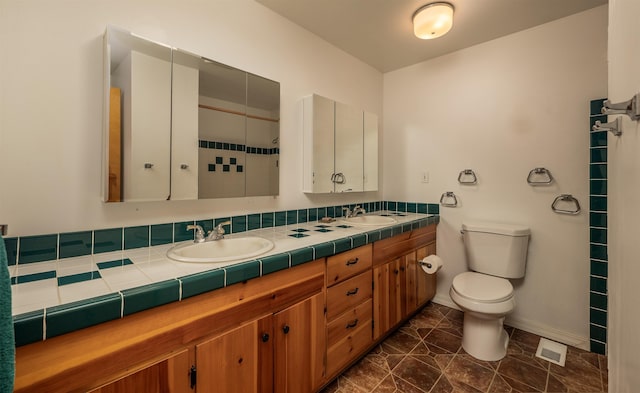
x=59 y=296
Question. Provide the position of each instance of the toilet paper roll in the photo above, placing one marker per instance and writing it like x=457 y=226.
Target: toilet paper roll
x=431 y=264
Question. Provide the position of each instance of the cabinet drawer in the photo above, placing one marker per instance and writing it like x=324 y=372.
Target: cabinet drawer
x=348 y=322
x=348 y=348
x=348 y=264
x=348 y=294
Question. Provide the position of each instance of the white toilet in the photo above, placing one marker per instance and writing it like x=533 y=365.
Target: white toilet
x=495 y=252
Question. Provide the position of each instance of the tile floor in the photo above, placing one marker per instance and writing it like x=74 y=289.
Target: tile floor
x=426 y=356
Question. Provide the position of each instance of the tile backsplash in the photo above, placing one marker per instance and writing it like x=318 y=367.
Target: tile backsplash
x=30 y=249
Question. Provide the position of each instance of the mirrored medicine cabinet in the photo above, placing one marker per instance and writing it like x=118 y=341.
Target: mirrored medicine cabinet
x=182 y=127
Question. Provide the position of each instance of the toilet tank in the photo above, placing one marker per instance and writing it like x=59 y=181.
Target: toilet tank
x=496 y=249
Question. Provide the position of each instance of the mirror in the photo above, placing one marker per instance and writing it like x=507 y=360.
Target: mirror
x=184 y=127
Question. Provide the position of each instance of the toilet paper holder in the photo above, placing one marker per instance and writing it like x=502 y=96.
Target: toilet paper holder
x=427 y=264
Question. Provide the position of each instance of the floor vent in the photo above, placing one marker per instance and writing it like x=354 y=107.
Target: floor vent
x=552 y=351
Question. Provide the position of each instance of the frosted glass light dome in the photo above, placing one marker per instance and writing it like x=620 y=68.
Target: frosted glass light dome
x=433 y=20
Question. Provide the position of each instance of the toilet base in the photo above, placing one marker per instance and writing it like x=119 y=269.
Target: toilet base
x=484 y=338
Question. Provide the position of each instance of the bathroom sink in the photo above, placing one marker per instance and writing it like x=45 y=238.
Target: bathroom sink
x=369 y=220
x=223 y=250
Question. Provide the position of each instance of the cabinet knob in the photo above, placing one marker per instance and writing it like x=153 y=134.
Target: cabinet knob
x=265 y=337
x=396 y=271
x=285 y=329
x=148 y=165
x=184 y=166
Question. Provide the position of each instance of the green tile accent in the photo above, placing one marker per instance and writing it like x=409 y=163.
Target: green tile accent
x=595 y=106
x=433 y=208
x=331 y=212
x=116 y=263
x=598 y=347
x=598 y=252
x=74 y=316
x=151 y=295
x=392 y=206
x=281 y=218
x=359 y=240
x=598 y=187
x=396 y=229
x=28 y=327
x=322 y=212
x=598 y=317
x=302 y=215
x=239 y=224
x=219 y=221
x=268 y=220
x=11 y=246
x=598 y=301
x=253 y=222
x=402 y=207
x=292 y=217
x=598 y=333
x=342 y=245
x=199 y=283
x=180 y=232
x=106 y=240
x=598 y=219
x=378 y=205
x=386 y=233
x=412 y=207
x=598 y=203
x=599 y=138
x=161 y=234
x=373 y=236
x=599 y=268
x=33 y=277
x=323 y=250
x=598 y=171
x=422 y=208
x=592 y=122
x=598 y=235
x=38 y=248
x=80 y=277
x=415 y=225
x=275 y=263
x=75 y=244
x=299 y=257
x=599 y=155
x=242 y=272
x=598 y=285
x=407 y=227
x=136 y=237
x=313 y=214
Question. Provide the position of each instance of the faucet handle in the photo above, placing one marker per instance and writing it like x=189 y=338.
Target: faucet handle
x=220 y=226
x=347 y=212
x=199 y=232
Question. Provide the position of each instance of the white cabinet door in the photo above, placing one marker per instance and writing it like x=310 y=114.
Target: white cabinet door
x=370 y=152
x=348 y=149
x=318 y=141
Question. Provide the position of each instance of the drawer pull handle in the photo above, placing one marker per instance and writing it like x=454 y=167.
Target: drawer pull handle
x=352 y=324
x=352 y=292
x=353 y=261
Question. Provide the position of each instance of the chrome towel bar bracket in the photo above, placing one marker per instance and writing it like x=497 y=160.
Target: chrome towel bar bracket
x=614 y=126
x=566 y=198
x=629 y=108
x=539 y=177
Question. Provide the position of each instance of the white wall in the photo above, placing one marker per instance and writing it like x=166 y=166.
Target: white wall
x=503 y=108
x=51 y=97
x=624 y=210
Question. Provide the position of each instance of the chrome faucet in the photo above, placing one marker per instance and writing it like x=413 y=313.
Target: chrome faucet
x=199 y=233
x=218 y=232
x=348 y=213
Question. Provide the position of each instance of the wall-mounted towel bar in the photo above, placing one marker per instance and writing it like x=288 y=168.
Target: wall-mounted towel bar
x=566 y=199
x=539 y=177
x=449 y=199
x=629 y=108
x=467 y=176
x=614 y=126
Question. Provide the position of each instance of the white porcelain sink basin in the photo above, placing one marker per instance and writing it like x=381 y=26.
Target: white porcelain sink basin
x=369 y=220
x=223 y=250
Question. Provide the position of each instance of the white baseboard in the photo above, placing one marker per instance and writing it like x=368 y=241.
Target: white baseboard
x=531 y=326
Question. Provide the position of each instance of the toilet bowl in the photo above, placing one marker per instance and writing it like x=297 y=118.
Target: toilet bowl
x=485 y=300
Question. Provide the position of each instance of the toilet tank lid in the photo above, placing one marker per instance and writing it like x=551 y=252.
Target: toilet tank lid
x=497 y=228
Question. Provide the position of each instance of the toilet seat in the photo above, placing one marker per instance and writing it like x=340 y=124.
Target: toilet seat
x=483 y=294
x=482 y=288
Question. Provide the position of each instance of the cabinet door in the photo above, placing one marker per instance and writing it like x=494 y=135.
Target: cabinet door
x=425 y=283
x=170 y=375
x=410 y=270
x=318 y=141
x=389 y=287
x=299 y=346
x=370 y=160
x=348 y=148
x=234 y=361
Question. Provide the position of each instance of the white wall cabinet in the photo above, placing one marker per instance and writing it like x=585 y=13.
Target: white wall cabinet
x=340 y=152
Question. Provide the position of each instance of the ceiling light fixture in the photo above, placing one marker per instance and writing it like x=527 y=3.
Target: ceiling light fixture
x=433 y=20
